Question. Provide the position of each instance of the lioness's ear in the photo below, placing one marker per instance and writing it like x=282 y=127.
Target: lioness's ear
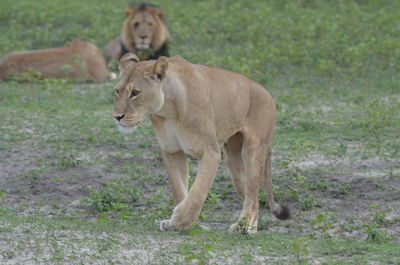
x=129 y=59
x=160 y=67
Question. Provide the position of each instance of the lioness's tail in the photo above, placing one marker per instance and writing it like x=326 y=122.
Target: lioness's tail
x=280 y=211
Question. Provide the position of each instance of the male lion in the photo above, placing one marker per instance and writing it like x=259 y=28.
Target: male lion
x=195 y=110
x=77 y=60
x=144 y=33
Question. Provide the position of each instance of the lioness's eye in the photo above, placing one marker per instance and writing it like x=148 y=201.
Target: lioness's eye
x=134 y=93
x=150 y=24
x=136 y=25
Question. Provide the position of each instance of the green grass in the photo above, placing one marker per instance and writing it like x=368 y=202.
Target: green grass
x=62 y=240
x=73 y=189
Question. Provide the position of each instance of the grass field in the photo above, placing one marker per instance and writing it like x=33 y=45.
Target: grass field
x=74 y=190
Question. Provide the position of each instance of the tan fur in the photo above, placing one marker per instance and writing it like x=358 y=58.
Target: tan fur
x=149 y=23
x=77 y=60
x=198 y=110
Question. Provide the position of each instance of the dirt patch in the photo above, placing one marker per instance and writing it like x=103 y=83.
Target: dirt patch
x=33 y=181
x=32 y=175
x=30 y=244
x=358 y=192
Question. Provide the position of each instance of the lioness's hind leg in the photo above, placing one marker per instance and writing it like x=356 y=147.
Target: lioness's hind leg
x=254 y=156
x=234 y=161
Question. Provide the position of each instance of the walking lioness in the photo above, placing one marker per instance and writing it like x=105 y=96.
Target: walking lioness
x=195 y=110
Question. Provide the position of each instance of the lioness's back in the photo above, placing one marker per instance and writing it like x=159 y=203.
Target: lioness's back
x=234 y=96
x=214 y=76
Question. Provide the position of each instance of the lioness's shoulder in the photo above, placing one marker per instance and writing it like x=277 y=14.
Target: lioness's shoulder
x=181 y=66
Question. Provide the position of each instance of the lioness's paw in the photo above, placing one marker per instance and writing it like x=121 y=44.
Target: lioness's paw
x=182 y=217
x=252 y=230
x=233 y=228
x=168 y=225
x=164 y=226
x=113 y=76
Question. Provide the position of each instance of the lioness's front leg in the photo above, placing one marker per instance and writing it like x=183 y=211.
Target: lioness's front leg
x=187 y=211
x=178 y=176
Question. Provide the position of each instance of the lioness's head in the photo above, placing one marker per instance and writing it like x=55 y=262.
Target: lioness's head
x=144 y=27
x=139 y=91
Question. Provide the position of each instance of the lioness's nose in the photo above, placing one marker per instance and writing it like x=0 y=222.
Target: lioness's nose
x=143 y=37
x=119 y=117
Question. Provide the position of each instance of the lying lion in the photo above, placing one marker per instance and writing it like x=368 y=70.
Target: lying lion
x=144 y=33
x=77 y=60
x=196 y=110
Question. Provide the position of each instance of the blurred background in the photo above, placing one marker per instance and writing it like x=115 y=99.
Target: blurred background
x=74 y=190
x=259 y=38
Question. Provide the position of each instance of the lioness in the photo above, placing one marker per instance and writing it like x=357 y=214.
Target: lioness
x=77 y=60
x=195 y=110
x=144 y=33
